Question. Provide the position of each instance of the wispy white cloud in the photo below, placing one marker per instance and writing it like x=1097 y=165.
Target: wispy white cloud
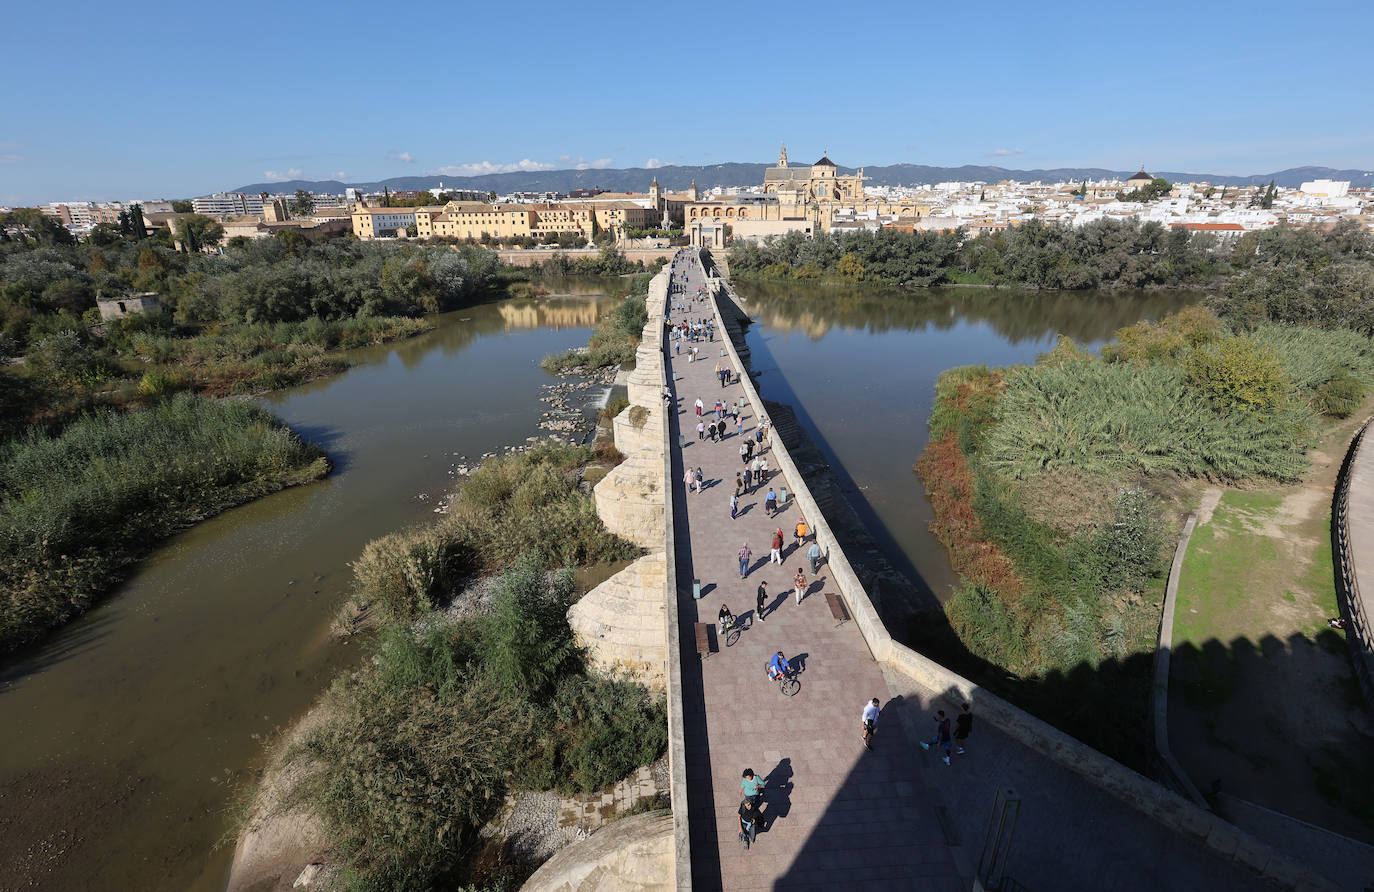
x=405 y=157
x=10 y=157
x=653 y=163
x=580 y=163
x=277 y=176
x=481 y=168
x=1003 y=153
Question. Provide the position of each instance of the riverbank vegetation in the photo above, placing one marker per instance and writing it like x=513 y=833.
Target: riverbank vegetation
x=1102 y=254
x=264 y=314
x=614 y=341
x=457 y=709
x=76 y=508
x=1057 y=487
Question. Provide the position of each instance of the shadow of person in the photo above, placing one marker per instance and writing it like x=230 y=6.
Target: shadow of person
x=800 y=661
x=777 y=794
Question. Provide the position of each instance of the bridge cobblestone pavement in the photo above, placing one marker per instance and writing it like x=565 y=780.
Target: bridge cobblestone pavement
x=834 y=814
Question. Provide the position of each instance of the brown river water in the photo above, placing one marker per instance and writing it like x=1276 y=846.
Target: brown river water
x=126 y=737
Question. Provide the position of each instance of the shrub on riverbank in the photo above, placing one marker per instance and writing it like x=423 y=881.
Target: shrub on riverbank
x=1287 y=275
x=1069 y=585
x=510 y=505
x=424 y=742
x=78 y=507
x=615 y=340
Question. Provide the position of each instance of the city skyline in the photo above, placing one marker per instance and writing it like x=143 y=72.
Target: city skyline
x=311 y=95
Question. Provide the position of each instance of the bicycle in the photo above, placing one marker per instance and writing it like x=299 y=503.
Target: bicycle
x=731 y=631
x=788 y=683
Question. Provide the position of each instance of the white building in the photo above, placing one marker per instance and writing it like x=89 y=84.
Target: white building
x=227 y=204
x=1326 y=188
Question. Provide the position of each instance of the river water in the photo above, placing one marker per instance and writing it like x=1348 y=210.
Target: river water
x=859 y=367
x=124 y=737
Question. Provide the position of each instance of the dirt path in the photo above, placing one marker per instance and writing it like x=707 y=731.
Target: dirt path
x=1263 y=700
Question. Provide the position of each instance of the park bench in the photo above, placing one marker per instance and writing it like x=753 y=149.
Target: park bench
x=703 y=631
x=837 y=611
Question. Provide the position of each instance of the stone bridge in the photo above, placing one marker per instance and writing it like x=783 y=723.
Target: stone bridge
x=1027 y=807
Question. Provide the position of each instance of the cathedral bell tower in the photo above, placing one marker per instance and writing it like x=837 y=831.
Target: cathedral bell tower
x=782 y=156
x=656 y=195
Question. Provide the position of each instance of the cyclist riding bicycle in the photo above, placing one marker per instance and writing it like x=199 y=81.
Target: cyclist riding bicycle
x=726 y=618
x=779 y=666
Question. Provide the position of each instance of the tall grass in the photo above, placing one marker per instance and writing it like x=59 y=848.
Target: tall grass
x=530 y=501
x=422 y=744
x=79 y=506
x=1109 y=418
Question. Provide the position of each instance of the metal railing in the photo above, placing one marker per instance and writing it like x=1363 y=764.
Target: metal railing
x=1353 y=611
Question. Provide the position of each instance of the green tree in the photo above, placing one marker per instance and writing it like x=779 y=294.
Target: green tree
x=303 y=205
x=196 y=232
x=183 y=207
x=136 y=224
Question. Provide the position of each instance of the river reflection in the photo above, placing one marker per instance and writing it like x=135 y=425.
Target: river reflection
x=859 y=366
x=124 y=735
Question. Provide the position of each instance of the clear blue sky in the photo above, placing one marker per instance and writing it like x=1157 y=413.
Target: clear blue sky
x=152 y=99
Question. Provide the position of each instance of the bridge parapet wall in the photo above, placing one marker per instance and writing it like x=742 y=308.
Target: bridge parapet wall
x=1156 y=802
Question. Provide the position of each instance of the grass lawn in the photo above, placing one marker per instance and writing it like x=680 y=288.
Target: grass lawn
x=1261 y=689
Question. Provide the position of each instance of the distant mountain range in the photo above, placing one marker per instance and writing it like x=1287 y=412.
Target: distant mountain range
x=676 y=178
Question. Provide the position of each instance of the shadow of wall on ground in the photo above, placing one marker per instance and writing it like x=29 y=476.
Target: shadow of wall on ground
x=1280 y=724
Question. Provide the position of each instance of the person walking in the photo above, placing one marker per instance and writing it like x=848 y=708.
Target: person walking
x=941 y=735
x=963 y=726
x=748 y=447
x=775 y=556
x=699 y=478
x=754 y=474
x=752 y=786
x=744 y=455
x=701 y=430
x=869 y=721
x=763 y=470
x=748 y=822
x=746 y=556
x=813 y=554
x=802 y=531
x=739 y=484
x=799 y=585
x=700 y=406
x=720 y=430
x=689 y=478
x=770 y=501
x=739 y=432
x=761 y=599
x=713 y=432
x=734 y=506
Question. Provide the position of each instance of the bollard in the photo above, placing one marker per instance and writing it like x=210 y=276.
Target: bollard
x=741 y=402
x=696 y=589
x=782 y=496
x=681 y=441
x=722 y=351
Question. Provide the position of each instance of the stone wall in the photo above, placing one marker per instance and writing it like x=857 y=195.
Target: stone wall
x=630 y=624
x=634 y=854
x=621 y=623
x=1131 y=788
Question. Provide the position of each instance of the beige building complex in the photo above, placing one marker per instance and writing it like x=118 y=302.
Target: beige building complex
x=605 y=212
x=805 y=193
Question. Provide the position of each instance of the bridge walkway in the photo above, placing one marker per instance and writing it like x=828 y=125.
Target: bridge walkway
x=834 y=813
